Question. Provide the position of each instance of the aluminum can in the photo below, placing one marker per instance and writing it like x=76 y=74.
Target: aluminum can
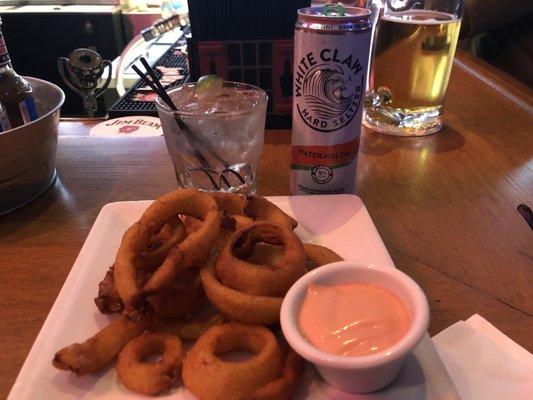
x=330 y=67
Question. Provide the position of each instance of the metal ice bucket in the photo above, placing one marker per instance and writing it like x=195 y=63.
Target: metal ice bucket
x=27 y=153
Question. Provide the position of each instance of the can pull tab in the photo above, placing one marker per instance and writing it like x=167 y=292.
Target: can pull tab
x=333 y=10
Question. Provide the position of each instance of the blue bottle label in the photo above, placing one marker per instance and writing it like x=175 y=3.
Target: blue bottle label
x=28 y=110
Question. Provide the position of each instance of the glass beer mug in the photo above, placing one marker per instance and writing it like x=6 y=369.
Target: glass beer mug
x=414 y=45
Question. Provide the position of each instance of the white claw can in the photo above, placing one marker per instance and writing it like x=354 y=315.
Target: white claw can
x=330 y=67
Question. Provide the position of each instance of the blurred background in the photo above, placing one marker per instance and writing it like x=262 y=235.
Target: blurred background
x=246 y=40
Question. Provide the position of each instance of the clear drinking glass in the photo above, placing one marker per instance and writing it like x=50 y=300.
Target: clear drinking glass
x=415 y=43
x=215 y=143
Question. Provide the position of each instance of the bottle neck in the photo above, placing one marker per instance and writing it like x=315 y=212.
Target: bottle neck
x=5 y=61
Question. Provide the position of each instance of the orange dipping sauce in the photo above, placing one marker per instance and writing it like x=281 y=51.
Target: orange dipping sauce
x=352 y=319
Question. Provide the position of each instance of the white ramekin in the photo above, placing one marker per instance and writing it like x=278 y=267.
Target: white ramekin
x=365 y=373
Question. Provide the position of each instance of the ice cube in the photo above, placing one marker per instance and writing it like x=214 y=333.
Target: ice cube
x=228 y=100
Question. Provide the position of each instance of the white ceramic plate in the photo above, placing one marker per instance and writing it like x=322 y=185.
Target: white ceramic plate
x=339 y=222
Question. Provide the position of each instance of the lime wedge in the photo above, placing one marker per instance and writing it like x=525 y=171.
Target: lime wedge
x=208 y=86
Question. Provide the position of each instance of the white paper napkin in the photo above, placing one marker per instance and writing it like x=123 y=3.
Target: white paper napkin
x=483 y=363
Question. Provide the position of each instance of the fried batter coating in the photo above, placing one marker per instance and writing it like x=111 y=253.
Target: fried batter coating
x=184 y=296
x=260 y=209
x=234 y=271
x=100 y=350
x=192 y=251
x=151 y=378
x=231 y=203
x=316 y=256
x=283 y=387
x=209 y=377
x=108 y=301
x=240 y=306
x=190 y=328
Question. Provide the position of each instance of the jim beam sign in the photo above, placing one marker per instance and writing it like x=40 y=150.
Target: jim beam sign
x=128 y=126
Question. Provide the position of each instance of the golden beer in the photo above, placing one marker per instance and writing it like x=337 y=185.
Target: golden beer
x=412 y=64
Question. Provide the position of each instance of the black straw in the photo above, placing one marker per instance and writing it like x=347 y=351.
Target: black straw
x=162 y=92
x=152 y=85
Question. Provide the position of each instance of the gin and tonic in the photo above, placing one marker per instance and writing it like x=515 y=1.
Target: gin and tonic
x=216 y=136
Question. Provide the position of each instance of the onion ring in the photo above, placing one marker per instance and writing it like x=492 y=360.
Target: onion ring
x=231 y=203
x=242 y=221
x=260 y=209
x=184 y=297
x=319 y=255
x=191 y=328
x=264 y=280
x=196 y=204
x=191 y=224
x=108 y=301
x=240 y=306
x=163 y=277
x=265 y=254
x=151 y=378
x=133 y=243
x=209 y=377
x=171 y=233
x=101 y=349
x=227 y=222
x=283 y=387
x=190 y=252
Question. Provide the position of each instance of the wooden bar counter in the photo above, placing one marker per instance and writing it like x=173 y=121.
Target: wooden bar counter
x=445 y=206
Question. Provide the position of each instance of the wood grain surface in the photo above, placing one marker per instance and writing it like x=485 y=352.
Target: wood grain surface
x=444 y=205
